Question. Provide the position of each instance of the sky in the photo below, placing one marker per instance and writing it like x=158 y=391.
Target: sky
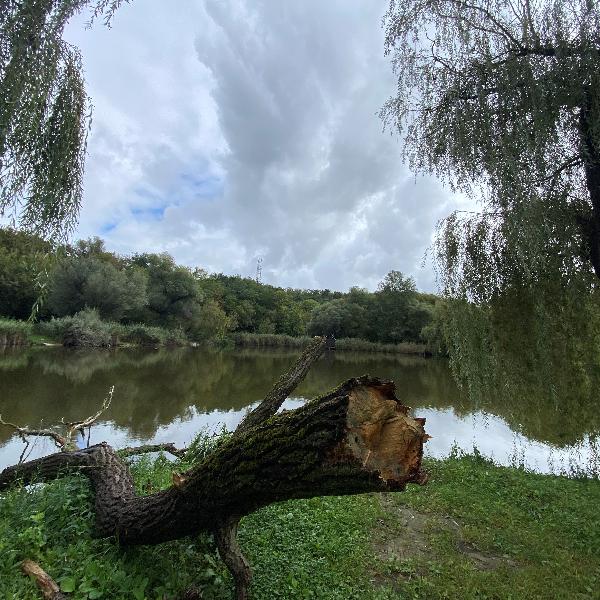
x=225 y=131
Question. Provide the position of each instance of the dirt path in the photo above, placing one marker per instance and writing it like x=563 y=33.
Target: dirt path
x=405 y=536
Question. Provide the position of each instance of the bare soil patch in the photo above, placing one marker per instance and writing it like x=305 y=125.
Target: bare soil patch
x=405 y=536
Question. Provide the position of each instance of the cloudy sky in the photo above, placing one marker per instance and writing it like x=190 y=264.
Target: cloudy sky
x=228 y=130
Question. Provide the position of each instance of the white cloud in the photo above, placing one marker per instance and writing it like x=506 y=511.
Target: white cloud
x=227 y=129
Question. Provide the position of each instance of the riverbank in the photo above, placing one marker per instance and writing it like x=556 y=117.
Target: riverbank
x=15 y=333
x=475 y=531
x=87 y=330
x=265 y=340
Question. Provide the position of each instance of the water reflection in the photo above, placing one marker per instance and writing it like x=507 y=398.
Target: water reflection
x=169 y=395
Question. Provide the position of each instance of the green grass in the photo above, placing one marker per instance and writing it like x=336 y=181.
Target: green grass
x=269 y=340
x=14 y=333
x=87 y=329
x=540 y=533
x=317 y=548
x=52 y=525
x=538 y=537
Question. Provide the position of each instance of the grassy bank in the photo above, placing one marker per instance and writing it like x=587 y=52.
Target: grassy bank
x=86 y=329
x=14 y=333
x=475 y=531
x=266 y=340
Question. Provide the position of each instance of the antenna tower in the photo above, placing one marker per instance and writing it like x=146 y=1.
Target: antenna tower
x=259 y=270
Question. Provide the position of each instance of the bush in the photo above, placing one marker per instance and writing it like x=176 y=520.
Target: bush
x=84 y=329
x=14 y=333
x=146 y=335
x=53 y=329
x=87 y=330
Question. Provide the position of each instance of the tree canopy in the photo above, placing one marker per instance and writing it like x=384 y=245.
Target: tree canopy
x=152 y=289
x=501 y=99
x=45 y=113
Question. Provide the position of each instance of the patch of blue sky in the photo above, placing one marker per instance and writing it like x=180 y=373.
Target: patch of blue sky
x=151 y=205
x=106 y=228
x=209 y=186
x=151 y=212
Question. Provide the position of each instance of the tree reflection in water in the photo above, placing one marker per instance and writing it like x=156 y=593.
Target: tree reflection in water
x=173 y=392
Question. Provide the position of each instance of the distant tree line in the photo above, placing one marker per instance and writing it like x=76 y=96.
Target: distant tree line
x=152 y=289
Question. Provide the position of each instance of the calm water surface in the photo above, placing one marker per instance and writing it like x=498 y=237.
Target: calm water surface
x=169 y=395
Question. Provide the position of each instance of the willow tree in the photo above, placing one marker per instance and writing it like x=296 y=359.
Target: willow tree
x=501 y=99
x=45 y=112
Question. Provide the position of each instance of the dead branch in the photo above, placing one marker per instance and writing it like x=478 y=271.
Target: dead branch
x=24 y=432
x=79 y=426
x=287 y=383
x=49 y=588
x=146 y=449
x=63 y=441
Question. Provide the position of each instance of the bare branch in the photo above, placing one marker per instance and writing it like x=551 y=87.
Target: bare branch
x=64 y=442
x=286 y=384
x=146 y=449
x=23 y=432
x=89 y=421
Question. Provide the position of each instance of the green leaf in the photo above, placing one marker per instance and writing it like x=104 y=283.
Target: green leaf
x=67 y=584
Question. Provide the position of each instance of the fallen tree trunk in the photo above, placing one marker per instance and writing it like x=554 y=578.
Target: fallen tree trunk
x=357 y=438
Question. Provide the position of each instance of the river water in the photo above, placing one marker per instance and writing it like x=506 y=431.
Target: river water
x=162 y=396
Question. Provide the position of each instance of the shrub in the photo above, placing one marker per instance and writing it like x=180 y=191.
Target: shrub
x=146 y=335
x=53 y=329
x=14 y=333
x=84 y=329
x=87 y=330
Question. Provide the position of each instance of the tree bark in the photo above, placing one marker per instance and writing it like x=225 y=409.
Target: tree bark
x=284 y=387
x=357 y=438
x=591 y=161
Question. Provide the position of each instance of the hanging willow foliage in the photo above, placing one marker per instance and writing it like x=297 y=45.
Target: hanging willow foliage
x=501 y=99
x=45 y=113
